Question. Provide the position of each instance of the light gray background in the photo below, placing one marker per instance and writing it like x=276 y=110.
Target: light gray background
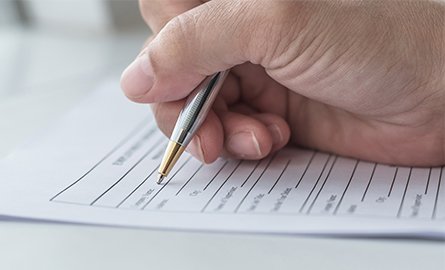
x=45 y=71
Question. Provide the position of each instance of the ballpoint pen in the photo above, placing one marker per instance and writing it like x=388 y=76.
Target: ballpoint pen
x=190 y=119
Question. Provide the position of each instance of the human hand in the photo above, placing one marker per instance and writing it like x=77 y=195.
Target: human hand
x=363 y=79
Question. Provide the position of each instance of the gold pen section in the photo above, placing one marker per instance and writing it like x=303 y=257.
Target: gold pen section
x=172 y=153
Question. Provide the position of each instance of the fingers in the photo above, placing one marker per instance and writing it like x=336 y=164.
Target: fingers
x=208 y=141
x=245 y=137
x=277 y=127
x=251 y=136
x=187 y=49
x=157 y=13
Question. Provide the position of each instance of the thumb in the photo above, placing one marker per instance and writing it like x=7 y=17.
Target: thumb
x=212 y=37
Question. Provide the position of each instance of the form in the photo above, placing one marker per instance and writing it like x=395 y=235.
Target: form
x=98 y=165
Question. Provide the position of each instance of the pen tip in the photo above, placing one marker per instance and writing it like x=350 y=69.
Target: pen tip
x=160 y=178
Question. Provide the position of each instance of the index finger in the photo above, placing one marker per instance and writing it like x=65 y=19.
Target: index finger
x=157 y=13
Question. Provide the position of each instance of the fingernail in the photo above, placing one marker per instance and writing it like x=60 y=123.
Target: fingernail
x=195 y=148
x=137 y=78
x=244 y=145
x=277 y=136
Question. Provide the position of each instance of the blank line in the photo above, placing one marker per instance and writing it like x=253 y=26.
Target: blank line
x=213 y=178
x=316 y=183
x=404 y=193
x=279 y=177
x=347 y=186
x=189 y=179
x=305 y=169
x=123 y=176
x=259 y=177
x=322 y=186
x=393 y=181
x=166 y=183
x=134 y=190
x=369 y=182
x=428 y=182
x=250 y=174
x=216 y=192
x=437 y=195
x=127 y=138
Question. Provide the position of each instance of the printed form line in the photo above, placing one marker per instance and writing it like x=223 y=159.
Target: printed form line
x=279 y=177
x=250 y=174
x=305 y=169
x=134 y=190
x=213 y=178
x=133 y=133
x=322 y=186
x=258 y=179
x=399 y=213
x=393 y=181
x=190 y=178
x=437 y=194
x=166 y=183
x=126 y=173
x=369 y=182
x=346 y=188
x=428 y=182
x=315 y=185
x=216 y=192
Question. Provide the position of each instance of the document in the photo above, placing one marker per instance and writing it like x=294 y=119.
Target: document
x=98 y=165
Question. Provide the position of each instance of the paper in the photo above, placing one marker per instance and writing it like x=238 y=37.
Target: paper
x=98 y=165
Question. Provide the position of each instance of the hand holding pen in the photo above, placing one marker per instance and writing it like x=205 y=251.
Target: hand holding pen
x=362 y=80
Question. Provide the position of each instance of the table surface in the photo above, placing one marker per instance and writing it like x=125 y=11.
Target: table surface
x=43 y=75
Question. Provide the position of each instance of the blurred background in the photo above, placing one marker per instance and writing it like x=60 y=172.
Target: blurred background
x=52 y=52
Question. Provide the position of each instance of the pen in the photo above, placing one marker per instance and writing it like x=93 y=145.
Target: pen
x=190 y=119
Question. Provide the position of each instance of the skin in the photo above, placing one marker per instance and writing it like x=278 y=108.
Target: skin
x=364 y=79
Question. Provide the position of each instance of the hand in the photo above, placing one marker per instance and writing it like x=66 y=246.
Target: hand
x=363 y=79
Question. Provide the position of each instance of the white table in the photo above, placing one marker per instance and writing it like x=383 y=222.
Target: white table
x=38 y=83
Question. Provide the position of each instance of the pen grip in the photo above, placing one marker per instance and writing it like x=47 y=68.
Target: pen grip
x=196 y=108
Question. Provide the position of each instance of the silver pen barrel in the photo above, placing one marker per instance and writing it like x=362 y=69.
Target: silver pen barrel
x=190 y=119
x=196 y=108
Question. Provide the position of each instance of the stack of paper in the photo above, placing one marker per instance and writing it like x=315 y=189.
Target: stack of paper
x=98 y=165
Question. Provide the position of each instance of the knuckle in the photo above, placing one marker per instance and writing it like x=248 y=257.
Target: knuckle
x=182 y=26
x=144 y=8
x=176 y=42
x=155 y=13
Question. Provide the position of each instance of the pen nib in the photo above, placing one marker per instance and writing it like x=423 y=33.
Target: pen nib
x=160 y=178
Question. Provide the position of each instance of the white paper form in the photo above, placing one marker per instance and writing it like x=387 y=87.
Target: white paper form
x=98 y=165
